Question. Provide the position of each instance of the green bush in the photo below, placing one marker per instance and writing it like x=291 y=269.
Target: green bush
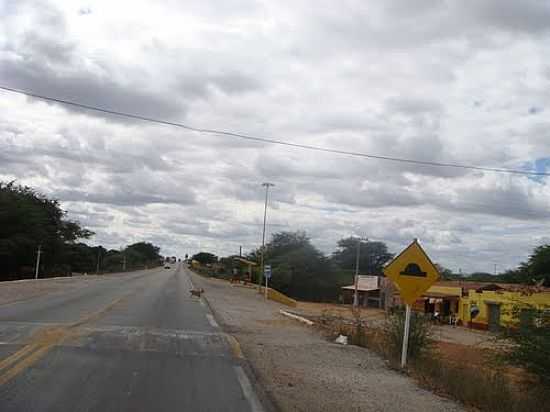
x=531 y=341
x=420 y=335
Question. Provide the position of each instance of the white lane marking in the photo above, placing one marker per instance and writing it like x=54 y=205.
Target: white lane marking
x=248 y=391
x=212 y=321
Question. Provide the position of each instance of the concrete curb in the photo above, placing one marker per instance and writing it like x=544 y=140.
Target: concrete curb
x=296 y=317
x=80 y=276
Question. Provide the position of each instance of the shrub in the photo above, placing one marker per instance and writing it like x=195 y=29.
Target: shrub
x=486 y=389
x=420 y=335
x=531 y=341
x=358 y=335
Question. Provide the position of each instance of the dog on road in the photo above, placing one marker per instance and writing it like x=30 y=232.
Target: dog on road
x=196 y=292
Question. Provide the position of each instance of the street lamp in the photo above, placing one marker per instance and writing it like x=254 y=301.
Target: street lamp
x=356 y=283
x=267 y=186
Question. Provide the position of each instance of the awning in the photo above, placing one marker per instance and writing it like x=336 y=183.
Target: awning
x=246 y=262
x=439 y=295
x=360 y=289
x=365 y=283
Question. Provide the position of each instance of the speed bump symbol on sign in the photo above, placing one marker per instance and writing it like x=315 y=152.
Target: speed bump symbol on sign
x=412 y=272
x=413 y=269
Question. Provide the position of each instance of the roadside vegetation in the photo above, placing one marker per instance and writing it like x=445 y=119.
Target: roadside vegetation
x=300 y=270
x=512 y=377
x=303 y=272
x=29 y=220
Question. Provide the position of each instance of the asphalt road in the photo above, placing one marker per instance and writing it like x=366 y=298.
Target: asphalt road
x=131 y=342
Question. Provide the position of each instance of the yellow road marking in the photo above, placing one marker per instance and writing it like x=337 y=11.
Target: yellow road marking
x=17 y=355
x=24 y=364
x=45 y=339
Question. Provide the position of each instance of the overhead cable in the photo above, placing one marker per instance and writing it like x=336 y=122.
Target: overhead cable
x=276 y=141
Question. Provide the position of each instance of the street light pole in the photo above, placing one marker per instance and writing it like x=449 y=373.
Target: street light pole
x=267 y=186
x=38 y=253
x=356 y=282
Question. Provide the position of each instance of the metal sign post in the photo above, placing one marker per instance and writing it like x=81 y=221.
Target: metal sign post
x=267 y=275
x=406 y=336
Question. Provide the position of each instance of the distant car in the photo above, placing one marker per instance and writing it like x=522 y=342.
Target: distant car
x=166 y=266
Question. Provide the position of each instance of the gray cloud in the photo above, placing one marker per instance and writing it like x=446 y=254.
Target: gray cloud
x=392 y=78
x=44 y=59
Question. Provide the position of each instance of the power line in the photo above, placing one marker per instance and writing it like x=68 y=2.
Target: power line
x=518 y=206
x=275 y=141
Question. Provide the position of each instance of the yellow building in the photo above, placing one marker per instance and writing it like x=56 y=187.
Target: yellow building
x=495 y=305
x=479 y=305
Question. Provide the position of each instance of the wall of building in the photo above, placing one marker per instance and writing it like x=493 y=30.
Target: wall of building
x=505 y=299
x=447 y=290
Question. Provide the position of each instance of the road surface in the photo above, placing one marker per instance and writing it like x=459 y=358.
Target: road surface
x=131 y=342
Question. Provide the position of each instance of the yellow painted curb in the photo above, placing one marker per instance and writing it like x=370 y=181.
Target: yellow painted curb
x=235 y=346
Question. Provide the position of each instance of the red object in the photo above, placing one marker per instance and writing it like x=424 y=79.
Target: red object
x=478 y=326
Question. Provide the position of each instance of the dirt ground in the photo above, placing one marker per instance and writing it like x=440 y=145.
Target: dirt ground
x=375 y=317
x=344 y=311
x=300 y=370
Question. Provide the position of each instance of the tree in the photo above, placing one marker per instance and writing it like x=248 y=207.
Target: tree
x=537 y=267
x=205 y=258
x=112 y=261
x=29 y=219
x=372 y=257
x=482 y=277
x=144 y=252
x=81 y=258
x=445 y=273
x=298 y=268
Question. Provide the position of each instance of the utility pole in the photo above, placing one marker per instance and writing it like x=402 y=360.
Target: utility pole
x=38 y=253
x=123 y=262
x=240 y=251
x=495 y=269
x=356 y=282
x=267 y=186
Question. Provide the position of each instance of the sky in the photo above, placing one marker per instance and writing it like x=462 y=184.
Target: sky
x=430 y=80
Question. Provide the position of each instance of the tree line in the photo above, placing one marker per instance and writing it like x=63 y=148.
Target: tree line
x=303 y=272
x=29 y=220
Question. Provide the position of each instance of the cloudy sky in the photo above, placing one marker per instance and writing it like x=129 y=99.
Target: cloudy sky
x=432 y=80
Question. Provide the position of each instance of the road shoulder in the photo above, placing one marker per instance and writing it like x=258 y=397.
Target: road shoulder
x=298 y=370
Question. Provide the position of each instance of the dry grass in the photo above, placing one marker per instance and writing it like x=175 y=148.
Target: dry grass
x=465 y=373
x=488 y=388
x=337 y=310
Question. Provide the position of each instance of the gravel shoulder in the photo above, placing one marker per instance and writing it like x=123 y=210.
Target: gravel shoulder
x=300 y=370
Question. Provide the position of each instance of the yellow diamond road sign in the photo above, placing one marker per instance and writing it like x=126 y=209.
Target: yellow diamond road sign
x=412 y=272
